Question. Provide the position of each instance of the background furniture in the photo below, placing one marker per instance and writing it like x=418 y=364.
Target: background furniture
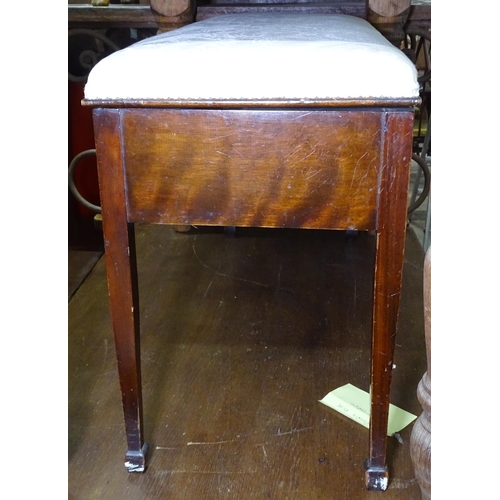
x=417 y=46
x=420 y=441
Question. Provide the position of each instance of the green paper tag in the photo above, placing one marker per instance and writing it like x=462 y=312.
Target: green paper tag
x=354 y=403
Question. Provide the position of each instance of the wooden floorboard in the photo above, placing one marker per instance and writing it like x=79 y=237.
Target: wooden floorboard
x=240 y=339
x=80 y=263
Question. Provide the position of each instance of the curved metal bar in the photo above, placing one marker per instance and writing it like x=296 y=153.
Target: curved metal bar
x=71 y=180
x=427 y=182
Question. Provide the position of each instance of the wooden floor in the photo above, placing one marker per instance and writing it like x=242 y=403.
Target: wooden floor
x=240 y=339
x=80 y=263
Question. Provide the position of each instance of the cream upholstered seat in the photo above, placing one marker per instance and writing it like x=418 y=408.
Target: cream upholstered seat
x=259 y=57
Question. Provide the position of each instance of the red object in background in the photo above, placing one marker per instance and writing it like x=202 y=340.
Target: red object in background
x=82 y=231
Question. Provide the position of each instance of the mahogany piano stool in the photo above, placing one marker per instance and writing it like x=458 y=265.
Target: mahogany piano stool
x=263 y=120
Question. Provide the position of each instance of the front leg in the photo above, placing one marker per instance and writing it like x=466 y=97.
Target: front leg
x=387 y=288
x=121 y=269
x=124 y=304
x=389 y=260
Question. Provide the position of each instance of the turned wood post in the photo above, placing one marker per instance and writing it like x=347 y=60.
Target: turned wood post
x=389 y=17
x=171 y=8
x=420 y=441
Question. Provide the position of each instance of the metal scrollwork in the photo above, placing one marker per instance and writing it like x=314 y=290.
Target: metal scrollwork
x=100 y=47
x=86 y=48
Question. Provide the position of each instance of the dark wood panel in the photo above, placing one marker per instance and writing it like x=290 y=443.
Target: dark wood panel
x=419 y=17
x=122 y=16
x=420 y=12
x=282 y=2
x=142 y=16
x=357 y=9
x=253 y=168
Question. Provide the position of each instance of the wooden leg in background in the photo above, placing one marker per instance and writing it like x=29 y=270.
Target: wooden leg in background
x=121 y=272
x=389 y=260
x=420 y=440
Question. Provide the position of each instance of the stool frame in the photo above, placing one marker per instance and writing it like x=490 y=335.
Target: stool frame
x=300 y=164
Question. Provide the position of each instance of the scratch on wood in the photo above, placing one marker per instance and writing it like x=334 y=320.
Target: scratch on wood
x=301 y=116
x=198 y=443
x=221 y=137
x=293 y=431
x=265 y=453
x=355 y=168
x=310 y=176
x=317 y=187
x=222 y=274
x=392 y=180
x=402 y=483
x=106 y=347
x=208 y=288
x=183 y=471
x=313 y=150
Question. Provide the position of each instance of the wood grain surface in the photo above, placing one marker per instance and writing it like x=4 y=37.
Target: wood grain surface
x=391 y=221
x=314 y=169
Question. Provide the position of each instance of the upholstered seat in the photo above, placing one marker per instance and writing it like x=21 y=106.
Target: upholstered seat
x=258 y=56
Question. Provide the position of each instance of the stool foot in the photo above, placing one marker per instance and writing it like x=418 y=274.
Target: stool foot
x=135 y=461
x=376 y=478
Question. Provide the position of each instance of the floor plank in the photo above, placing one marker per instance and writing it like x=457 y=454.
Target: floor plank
x=240 y=339
x=80 y=263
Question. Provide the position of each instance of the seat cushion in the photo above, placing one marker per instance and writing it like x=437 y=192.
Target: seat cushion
x=258 y=56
